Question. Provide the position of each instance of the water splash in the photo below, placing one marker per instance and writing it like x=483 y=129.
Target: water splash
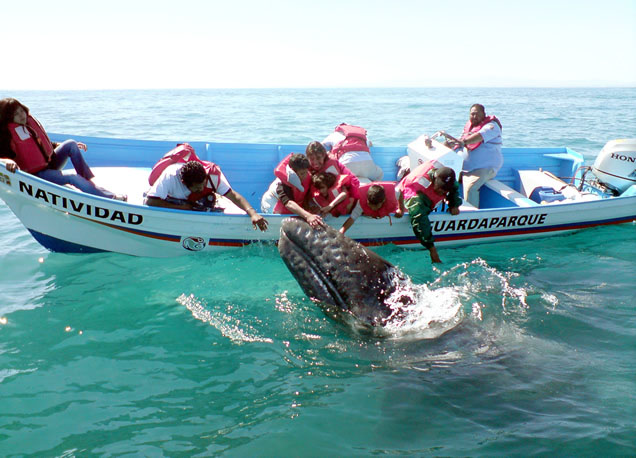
x=477 y=278
x=229 y=326
x=431 y=313
x=467 y=290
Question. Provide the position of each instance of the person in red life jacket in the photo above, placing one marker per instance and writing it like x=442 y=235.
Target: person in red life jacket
x=289 y=191
x=24 y=145
x=482 y=139
x=420 y=191
x=185 y=186
x=319 y=161
x=350 y=146
x=333 y=194
x=376 y=200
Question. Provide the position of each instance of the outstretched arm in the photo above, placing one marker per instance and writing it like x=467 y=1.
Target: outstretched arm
x=472 y=138
x=334 y=203
x=312 y=220
x=347 y=224
x=257 y=220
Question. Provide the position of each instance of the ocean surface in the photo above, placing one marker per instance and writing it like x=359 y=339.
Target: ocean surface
x=222 y=354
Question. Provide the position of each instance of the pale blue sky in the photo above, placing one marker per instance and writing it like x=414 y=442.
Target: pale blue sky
x=81 y=44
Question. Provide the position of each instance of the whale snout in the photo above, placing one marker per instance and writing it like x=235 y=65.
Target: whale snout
x=343 y=276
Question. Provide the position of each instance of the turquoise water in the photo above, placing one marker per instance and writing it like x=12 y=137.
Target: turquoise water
x=108 y=355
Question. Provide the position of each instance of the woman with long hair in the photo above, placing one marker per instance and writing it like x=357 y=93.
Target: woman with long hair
x=24 y=145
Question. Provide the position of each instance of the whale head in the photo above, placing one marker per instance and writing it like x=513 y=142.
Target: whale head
x=346 y=279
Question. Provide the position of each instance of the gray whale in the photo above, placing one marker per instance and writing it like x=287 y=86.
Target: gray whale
x=346 y=279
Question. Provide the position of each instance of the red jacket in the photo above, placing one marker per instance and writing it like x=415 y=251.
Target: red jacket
x=180 y=155
x=418 y=181
x=344 y=183
x=470 y=129
x=290 y=178
x=355 y=140
x=31 y=145
x=390 y=204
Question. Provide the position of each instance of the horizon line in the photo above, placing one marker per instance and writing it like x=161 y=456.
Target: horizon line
x=626 y=86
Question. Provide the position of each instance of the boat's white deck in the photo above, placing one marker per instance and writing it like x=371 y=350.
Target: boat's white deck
x=131 y=181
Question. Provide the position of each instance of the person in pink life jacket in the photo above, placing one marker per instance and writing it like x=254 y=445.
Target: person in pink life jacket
x=421 y=191
x=24 y=145
x=319 y=161
x=333 y=194
x=288 y=193
x=182 y=186
x=375 y=200
x=482 y=139
x=350 y=146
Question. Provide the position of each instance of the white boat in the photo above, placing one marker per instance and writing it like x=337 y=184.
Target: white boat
x=538 y=192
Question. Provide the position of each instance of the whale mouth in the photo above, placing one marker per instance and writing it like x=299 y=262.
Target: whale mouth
x=313 y=277
x=343 y=277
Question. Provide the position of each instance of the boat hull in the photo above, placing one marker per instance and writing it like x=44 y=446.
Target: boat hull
x=63 y=219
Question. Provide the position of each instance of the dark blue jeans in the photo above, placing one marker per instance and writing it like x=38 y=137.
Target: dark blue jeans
x=82 y=181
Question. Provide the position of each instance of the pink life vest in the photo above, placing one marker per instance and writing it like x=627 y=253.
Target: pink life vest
x=390 y=204
x=470 y=129
x=31 y=145
x=355 y=140
x=344 y=183
x=418 y=181
x=289 y=177
x=180 y=155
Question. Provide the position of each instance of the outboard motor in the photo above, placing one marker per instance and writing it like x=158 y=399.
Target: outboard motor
x=615 y=165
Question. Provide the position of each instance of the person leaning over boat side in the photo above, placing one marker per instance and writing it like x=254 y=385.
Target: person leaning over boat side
x=288 y=192
x=24 y=145
x=333 y=194
x=350 y=146
x=482 y=138
x=180 y=186
x=420 y=191
x=376 y=200
x=320 y=162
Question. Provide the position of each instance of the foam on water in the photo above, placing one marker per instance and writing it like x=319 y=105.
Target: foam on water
x=432 y=313
x=225 y=321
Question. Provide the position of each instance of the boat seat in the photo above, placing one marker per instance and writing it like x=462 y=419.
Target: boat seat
x=131 y=181
x=505 y=191
x=532 y=179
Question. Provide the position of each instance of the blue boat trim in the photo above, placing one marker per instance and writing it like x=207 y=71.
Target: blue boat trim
x=537 y=230
x=62 y=246
x=170 y=237
x=502 y=233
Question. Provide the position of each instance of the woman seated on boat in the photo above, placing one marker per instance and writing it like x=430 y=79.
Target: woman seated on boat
x=376 y=200
x=420 y=192
x=189 y=186
x=350 y=146
x=25 y=146
x=289 y=191
x=333 y=194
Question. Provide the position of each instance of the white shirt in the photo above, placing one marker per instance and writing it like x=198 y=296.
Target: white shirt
x=169 y=184
x=488 y=154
